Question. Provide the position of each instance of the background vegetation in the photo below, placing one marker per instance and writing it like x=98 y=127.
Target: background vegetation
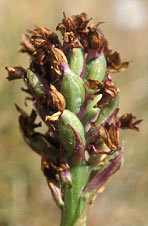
x=24 y=196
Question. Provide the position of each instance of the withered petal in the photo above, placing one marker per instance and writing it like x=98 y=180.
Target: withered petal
x=93 y=84
x=16 y=73
x=27 y=122
x=59 y=59
x=58 y=98
x=109 y=134
x=56 y=193
x=21 y=111
x=114 y=63
x=96 y=38
x=26 y=46
x=53 y=117
x=108 y=90
x=127 y=122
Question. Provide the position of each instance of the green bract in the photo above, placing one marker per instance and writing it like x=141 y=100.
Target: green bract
x=72 y=88
x=36 y=83
x=67 y=136
x=107 y=110
x=76 y=60
x=91 y=111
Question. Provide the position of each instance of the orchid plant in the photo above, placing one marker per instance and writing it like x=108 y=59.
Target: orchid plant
x=70 y=86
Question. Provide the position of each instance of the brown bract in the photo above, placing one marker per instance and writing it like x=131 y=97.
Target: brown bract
x=114 y=63
x=128 y=122
x=16 y=73
x=107 y=88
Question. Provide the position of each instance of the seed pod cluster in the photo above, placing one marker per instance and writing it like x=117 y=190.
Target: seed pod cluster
x=76 y=60
x=36 y=83
x=73 y=89
x=70 y=86
x=67 y=120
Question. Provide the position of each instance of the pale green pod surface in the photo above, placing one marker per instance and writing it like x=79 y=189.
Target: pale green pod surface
x=36 y=83
x=72 y=88
x=67 y=136
x=76 y=60
x=96 y=68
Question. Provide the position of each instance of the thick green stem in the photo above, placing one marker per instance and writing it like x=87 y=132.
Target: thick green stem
x=74 y=202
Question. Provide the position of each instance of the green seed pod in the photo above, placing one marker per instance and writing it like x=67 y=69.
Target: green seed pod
x=95 y=69
x=72 y=88
x=67 y=135
x=36 y=83
x=90 y=110
x=76 y=60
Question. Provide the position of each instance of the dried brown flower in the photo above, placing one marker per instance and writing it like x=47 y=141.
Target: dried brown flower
x=27 y=47
x=76 y=33
x=58 y=58
x=107 y=88
x=27 y=123
x=114 y=63
x=110 y=136
x=127 y=122
x=58 y=98
x=16 y=73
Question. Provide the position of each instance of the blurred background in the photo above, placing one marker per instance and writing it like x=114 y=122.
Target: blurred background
x=24 y=195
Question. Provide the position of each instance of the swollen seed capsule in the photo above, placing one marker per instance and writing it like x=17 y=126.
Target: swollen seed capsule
x=76 y=60
x=67 y=136
x=72 y=88
x=36 y=83
x=95 y=69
